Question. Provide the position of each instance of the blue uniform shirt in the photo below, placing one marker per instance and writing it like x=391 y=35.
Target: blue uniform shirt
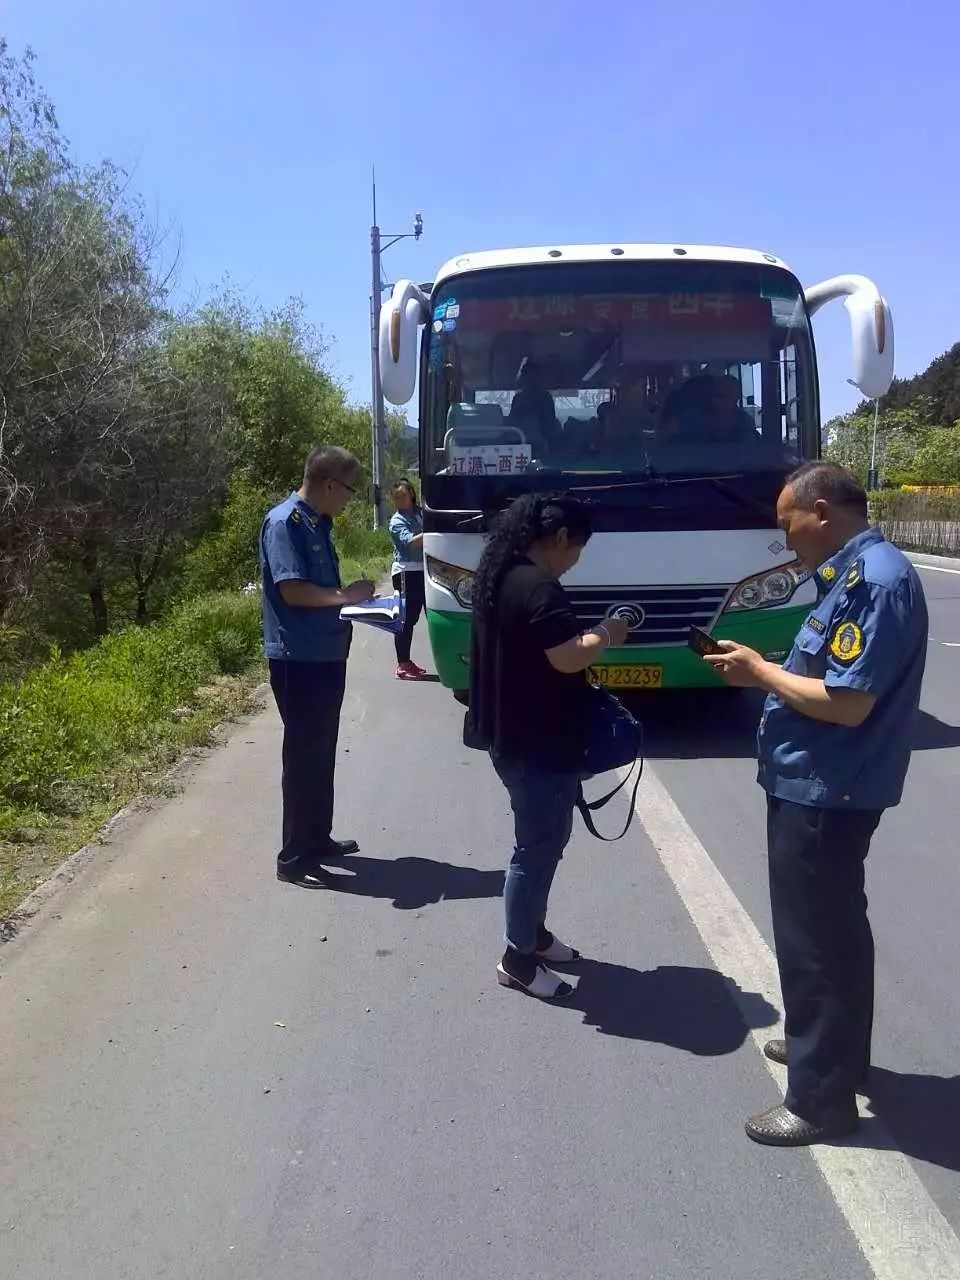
x=403 y=526
x=296 y=546
x=869 y=632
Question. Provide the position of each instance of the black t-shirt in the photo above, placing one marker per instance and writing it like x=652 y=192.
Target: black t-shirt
x=520 y=706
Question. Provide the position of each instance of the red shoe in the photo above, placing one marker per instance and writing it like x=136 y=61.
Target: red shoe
x=409 y=671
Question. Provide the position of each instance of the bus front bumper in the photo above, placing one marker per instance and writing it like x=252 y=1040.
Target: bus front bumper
x=769 y=631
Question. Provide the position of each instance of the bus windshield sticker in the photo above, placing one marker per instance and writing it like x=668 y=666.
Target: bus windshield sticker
x=489 y=459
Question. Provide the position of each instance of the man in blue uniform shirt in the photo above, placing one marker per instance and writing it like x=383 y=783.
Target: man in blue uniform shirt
x=307 y=643
x=834 y=745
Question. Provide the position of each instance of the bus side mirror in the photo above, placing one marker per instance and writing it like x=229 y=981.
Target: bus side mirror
x=871 y=329
x=400 y=321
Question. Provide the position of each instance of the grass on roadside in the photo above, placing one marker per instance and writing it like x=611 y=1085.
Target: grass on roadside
x=81 y=736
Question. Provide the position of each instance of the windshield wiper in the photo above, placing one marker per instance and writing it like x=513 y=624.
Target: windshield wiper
x=651 y=480
x=745 y=500
x=720 y=483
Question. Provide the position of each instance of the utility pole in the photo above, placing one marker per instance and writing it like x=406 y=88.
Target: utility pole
x=377 y=249
x=873 y=478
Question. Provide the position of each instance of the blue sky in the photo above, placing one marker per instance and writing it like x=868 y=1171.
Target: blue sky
x=825 y=132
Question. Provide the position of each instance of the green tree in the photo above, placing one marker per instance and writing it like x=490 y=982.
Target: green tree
x=78 y=301
x=934 y=393
x=849 y=441
x=287 y=401
x=937 y=460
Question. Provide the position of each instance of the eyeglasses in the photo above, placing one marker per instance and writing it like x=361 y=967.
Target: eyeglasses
x=336 y=480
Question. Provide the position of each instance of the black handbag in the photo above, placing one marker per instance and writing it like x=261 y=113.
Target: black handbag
x=614 y=740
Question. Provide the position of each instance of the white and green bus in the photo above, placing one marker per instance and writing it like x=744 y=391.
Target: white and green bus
x=673 y=386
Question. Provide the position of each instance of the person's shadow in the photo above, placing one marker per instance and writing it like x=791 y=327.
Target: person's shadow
x=921 y=1113
x=412 y=882
x=697 y=1010
x=932 y=734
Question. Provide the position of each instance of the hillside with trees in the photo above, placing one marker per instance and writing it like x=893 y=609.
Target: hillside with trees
x=918 y=429
x=141 y=442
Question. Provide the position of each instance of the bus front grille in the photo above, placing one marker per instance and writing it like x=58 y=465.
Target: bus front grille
x=666 y=613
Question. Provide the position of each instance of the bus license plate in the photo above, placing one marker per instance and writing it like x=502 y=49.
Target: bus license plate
x=633 y=676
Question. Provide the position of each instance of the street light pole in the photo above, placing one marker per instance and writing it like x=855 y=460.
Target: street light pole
x=377 y=249
x=377 y=390
x=873 y=479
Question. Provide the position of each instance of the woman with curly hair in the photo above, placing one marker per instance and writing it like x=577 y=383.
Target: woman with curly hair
x=529 y=707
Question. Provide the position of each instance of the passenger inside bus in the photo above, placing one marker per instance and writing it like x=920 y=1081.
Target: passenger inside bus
x=621 y=425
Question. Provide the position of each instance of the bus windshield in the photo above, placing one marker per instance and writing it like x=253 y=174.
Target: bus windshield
x=563 y=374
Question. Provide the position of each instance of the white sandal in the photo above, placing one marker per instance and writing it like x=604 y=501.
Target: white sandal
x=559 y=953
x=545 y=984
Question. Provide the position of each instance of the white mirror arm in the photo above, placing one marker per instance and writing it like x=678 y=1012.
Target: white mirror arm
x=818 y=295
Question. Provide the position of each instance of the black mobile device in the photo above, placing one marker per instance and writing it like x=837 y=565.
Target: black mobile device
x=701 y=643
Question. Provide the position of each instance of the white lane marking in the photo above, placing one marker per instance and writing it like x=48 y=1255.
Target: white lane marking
x=936 y=568
x=950 y=644
x=899 y=1228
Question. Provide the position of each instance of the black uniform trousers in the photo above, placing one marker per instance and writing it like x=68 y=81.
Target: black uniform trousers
x=824 y=948
x=309 y=696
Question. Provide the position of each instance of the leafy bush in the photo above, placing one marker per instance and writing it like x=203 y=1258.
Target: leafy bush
x=226 y=557
x=363 y=552
x=74 y=718
x=225 y=626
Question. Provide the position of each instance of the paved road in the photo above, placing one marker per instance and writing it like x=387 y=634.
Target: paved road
x=411 y=1119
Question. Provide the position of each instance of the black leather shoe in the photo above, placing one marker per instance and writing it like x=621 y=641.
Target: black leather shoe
x=776 y=1051
x=779 y=1127
x=304 y=877
x=338 y=848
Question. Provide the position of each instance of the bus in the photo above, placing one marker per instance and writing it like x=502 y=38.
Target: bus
x=672 y=386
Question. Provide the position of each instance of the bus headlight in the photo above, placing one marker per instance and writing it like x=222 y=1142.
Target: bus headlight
x=764 y=590
x=459 y=582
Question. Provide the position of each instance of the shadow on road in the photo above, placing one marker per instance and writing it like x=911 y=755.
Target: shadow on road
x=413 y=882
x=921 y=1112
x=697 y=1010
x=684 y=724
x=934 y=735
x=721 y=724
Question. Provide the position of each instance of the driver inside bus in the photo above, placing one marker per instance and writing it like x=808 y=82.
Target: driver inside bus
x=707 y=408
x=532 y=407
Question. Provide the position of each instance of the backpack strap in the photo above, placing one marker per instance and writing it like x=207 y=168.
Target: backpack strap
x=589 y=807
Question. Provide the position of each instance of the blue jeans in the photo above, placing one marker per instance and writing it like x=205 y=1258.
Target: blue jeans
x=543 y=804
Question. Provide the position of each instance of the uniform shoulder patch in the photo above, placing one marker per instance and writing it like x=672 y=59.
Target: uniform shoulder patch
x=828 y=573
x=846 y=644
x=855 y=575
x=295 y=515
x=816 y=623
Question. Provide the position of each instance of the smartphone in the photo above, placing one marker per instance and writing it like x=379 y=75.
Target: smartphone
x=701 y=643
